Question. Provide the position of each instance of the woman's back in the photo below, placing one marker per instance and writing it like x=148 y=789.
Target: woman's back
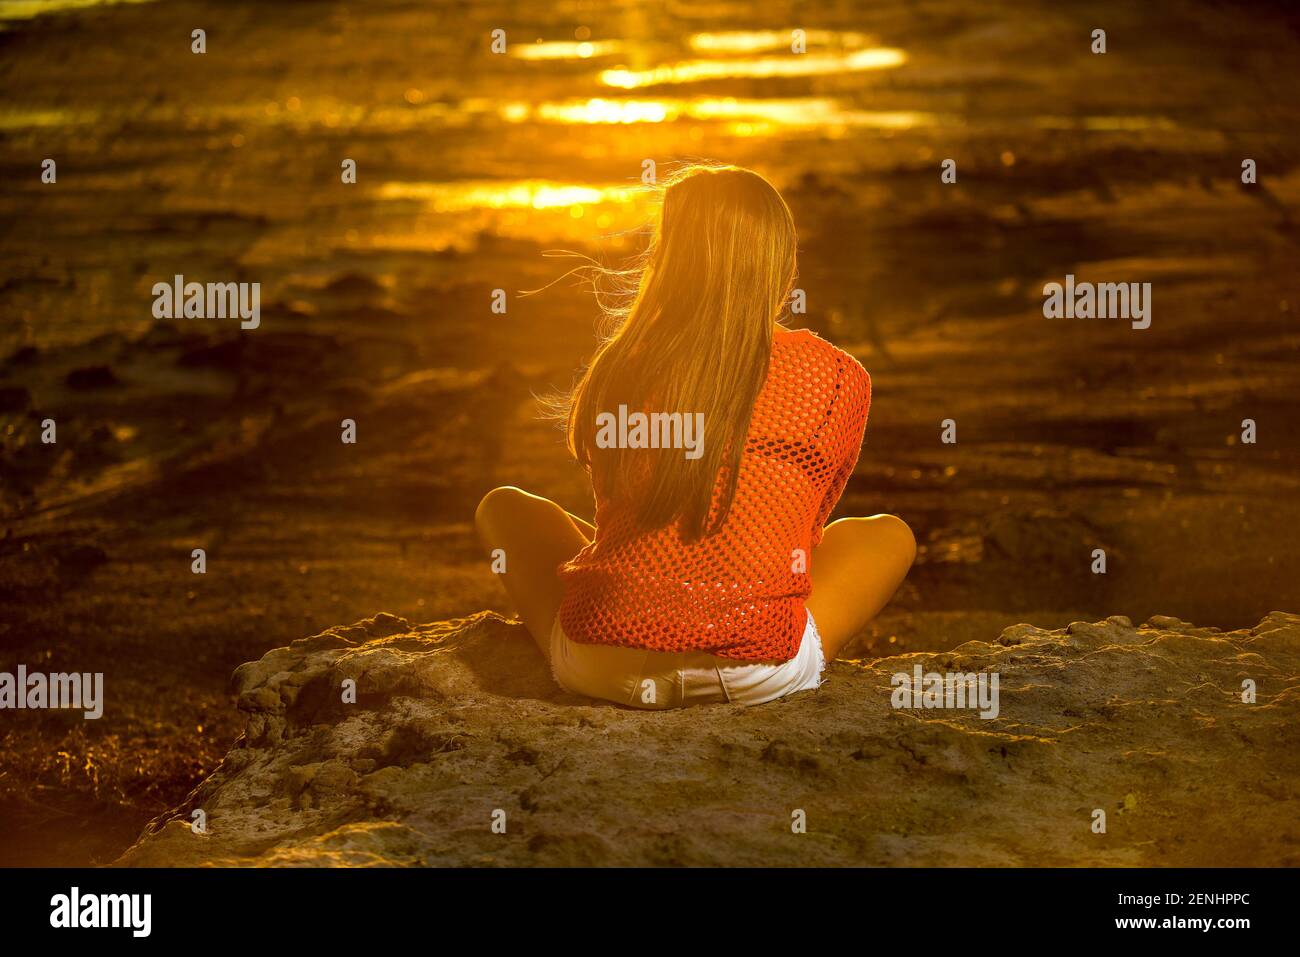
x=738 y=593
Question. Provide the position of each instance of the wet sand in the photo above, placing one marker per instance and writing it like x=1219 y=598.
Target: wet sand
x=1072 y=434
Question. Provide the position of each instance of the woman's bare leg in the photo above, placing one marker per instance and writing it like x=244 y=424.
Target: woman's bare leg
x=856 y=569
x=588 y=530
x=536 y=536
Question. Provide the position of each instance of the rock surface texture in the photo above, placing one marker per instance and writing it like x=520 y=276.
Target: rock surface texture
x=457 y=721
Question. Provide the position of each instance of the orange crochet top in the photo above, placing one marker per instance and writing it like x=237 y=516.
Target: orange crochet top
x=739 y=593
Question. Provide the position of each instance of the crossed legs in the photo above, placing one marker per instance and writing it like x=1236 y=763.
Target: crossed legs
x=536 y=536
x=856 y=568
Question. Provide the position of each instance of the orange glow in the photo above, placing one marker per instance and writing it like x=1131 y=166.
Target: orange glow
x=756 y=41
x=760 y=115
x=494 y=194
x=806 y=64
x=566 y=50
x=607 y=111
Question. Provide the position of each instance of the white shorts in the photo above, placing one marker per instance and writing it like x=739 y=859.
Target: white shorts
x=658 y=680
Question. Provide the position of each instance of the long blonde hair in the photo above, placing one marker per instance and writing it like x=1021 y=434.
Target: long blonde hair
x=696 y=337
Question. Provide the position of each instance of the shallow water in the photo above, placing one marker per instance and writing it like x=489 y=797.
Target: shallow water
x=228 y=162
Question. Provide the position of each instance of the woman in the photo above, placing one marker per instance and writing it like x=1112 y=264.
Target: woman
x=710 y=574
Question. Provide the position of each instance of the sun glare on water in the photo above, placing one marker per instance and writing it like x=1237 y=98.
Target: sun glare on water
x=566 y=50
x=518 y=194
x=693 y=71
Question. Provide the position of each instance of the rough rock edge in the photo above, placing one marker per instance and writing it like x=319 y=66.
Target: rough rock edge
x=457 y=719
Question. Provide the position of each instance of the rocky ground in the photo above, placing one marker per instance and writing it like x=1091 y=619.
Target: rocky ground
x=456 y=722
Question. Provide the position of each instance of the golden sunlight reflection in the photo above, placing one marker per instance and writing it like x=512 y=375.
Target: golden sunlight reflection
x=566 y=50
x=756 y=41
x=596 y=110
x=765 y=114
x=452 y=214
x=25 y=9
x=516 y=194
x=806 y=64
